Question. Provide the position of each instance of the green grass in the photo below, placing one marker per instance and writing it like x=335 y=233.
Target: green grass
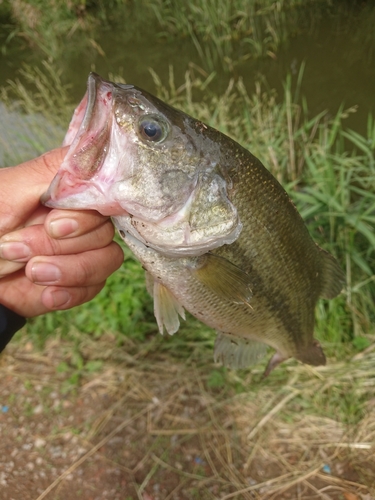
x=40 y=91
x=228 y=33
x=48 y=24
x=223 y=34
x=329 y=172
x=123 y=307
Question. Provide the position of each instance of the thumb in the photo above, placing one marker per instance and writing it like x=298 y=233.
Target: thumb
x=22 y=186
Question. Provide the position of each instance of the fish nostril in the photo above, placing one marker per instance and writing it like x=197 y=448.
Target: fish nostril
x=107 y=97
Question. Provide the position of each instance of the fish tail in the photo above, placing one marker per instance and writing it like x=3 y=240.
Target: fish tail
x=312 y=354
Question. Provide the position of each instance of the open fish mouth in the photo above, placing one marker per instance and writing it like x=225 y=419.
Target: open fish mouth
x=91 y=142
x=90 y=127
x=89 y=137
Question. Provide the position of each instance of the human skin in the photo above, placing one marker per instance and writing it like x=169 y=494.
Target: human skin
x=49 y=259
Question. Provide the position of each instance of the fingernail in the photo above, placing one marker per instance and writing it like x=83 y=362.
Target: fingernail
x=15 y=250
x=44 y=273
x=59 y=228
x=60 y=298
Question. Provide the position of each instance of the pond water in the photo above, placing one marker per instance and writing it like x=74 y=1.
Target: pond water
x=23 y=137
x=339 y=66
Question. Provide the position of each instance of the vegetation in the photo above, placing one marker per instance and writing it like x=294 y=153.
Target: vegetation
x=46 y=24
x=186 y=430
x=253 y=436
x=224 y=34
x=328 y=170
x=231 y=32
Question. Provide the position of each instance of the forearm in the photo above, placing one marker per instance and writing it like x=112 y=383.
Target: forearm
x=10 y=323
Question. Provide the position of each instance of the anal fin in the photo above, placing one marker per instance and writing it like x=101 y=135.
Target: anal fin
x=166 y=309
x=237 y=352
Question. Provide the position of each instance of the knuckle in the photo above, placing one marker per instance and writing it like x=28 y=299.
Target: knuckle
x=105 y=233
x=39 y=241
x=86 y=272
x=49 y=246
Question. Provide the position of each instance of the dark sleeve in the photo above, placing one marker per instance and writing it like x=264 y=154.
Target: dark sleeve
x=10 y=323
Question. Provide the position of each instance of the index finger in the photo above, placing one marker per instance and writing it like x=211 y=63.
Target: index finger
x=23 y=244
x=71 y=223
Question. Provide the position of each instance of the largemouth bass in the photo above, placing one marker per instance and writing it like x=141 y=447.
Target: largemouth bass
x=216 y=233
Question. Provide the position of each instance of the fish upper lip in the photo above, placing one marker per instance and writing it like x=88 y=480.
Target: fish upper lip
x=85 y=157
x=92 y=84
x=90 y=146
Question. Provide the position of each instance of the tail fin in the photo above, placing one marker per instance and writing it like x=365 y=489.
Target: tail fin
x=312 y=354
x=333 y=278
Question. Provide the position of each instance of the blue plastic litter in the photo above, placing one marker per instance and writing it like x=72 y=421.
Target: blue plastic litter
x=327 y=469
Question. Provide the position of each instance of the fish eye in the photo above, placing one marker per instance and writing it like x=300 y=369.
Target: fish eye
x=153 y=128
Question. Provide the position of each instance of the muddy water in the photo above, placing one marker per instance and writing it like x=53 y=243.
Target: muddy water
x=23 y=137
x=340 y=64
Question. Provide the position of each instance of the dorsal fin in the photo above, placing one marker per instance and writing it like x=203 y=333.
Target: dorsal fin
x=235 y=352
x=166 y=309
x=333 y=278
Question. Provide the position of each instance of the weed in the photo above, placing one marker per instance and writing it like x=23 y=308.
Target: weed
x=224 y=34
x=329 y=172
x=40 y=91
x=227 y=33
x=216 y=379
x=45 y=24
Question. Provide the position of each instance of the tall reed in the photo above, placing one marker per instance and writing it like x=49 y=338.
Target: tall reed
x=329 y=171
x=226 y=33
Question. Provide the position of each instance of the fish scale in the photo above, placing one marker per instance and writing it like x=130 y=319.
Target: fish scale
x=214 y=230
x=275 y=233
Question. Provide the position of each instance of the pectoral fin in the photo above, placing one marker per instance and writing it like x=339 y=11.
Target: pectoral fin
x=224 y=278
x=166 y=309
x=235 y=352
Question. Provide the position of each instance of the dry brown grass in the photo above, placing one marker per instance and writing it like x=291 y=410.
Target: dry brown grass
x=172 y=436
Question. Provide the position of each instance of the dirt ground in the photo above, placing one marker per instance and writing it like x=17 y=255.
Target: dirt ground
x=156 y=428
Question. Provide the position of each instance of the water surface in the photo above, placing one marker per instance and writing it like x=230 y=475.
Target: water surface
x=339 y=68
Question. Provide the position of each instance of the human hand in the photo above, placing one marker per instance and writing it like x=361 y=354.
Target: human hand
x=49 y=259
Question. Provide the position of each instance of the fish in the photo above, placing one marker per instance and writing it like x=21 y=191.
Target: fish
x=215 y=232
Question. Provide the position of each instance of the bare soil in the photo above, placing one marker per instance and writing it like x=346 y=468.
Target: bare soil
x=159 y=428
